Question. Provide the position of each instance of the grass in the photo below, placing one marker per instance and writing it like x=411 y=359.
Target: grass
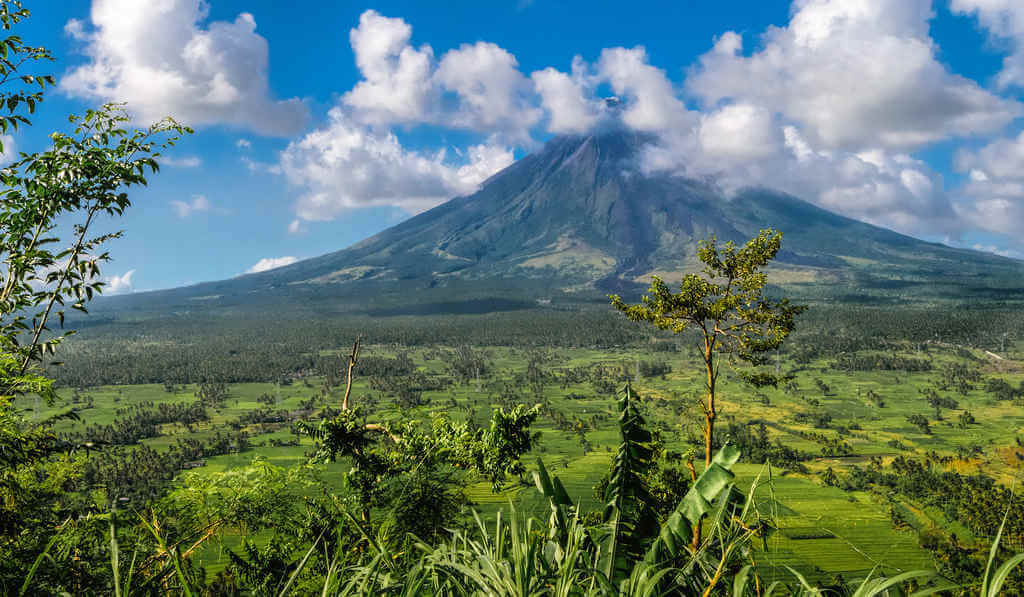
x=842 y=533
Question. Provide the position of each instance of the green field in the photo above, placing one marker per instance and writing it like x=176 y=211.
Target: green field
x=841 y=532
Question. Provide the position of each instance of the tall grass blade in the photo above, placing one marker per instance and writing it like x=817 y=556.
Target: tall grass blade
x=114 y=553
x=295 y=573
x=996 y=583
x=172 y=555
x=803 y=582
x=876 y=586
x=739 y=582
x=35 y=565
x=677 y=531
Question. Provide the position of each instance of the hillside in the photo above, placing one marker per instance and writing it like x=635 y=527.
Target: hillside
x=577 y=219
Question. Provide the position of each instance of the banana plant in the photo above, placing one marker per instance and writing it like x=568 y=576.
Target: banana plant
x=628 y=517
x=634 y=553
x=677 y=532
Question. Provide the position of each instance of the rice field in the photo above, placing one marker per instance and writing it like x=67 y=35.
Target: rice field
x=843 y=533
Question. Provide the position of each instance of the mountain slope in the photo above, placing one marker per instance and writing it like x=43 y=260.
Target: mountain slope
x=578 y=218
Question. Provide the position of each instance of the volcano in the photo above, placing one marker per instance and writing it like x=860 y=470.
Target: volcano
x=579 y=218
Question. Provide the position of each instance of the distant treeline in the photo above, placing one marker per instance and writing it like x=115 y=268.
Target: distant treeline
x=879 y=362
x=194 y=350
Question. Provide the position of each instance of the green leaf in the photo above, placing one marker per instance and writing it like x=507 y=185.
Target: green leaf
x=45 y=555
x=627 y=516
x=995 y=584
x=677 y=532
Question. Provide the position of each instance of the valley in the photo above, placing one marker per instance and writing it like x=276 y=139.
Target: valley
x=837 y=412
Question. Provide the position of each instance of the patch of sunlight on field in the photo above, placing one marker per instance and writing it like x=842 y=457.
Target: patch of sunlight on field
x=842 y=533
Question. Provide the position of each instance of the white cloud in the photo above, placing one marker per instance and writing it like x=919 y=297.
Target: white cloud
x=268 y=263
x=475 y=86
x=9 y=149
x=396 y=85
x=189 y=161
x=883 y=187
x=832 y=72
x=819 y=109
x=75 y=29
x=160 y=59
x=198 y=204
x=119 y=284
x=1002 y=158
x=652 y=104
x=740 y=131
x=1004 y=20
x=296 y=227
x=997 y=250
x=567 y=99
x=345 y=165
x=257 y=167
x=888 y=189
x=994 y=190
x=243 y=144
x=492 y=94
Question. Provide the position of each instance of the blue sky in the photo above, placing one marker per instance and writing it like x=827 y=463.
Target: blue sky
x=321 y=123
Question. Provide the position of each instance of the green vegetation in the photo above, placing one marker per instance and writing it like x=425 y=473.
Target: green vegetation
x=822 y=533
x=728 y=309
x=400 y=467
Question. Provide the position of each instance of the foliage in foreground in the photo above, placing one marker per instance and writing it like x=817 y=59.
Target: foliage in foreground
x=622 y=550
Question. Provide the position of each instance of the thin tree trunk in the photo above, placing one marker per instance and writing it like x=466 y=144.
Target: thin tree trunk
x=352 y=358
x=709 y=424
x=709 y=408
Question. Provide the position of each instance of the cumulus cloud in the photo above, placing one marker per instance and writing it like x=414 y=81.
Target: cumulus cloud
x=994 y=186
x=198 y=204
x=888 y=189
x=243 y=144
x=476 y=86
x=1002 y=158
x=818 y=109
x=345 y=165
x=8 y=149
x=567 y=98
x=997 y=251
x=1004 y=19
x=832 y=71
x=268 y=263
x=491 y=93
x=356 y=160
x=162 y=59
x=740 y=131
x=396 y=85
x=258 y=167
x=651 y=102
x=119 y=284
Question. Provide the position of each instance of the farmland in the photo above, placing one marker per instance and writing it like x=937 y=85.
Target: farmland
x=835 y=418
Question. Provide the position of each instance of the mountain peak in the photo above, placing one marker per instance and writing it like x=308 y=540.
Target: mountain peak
x=579 y=214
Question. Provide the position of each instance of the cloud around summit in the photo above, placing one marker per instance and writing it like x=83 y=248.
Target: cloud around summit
x=836 y=106
x=819 y=108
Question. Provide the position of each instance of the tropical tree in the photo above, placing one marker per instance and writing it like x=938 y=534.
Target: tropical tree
x=81 y=177
x=728 y=308
x=410 y=471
